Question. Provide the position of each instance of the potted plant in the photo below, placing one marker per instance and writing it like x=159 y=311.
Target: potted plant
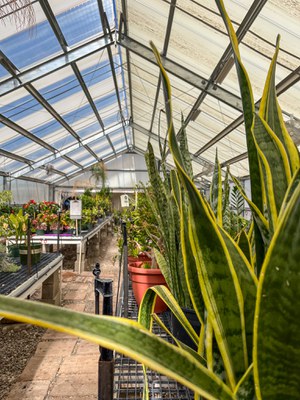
x=145 y=274
x=18 y=226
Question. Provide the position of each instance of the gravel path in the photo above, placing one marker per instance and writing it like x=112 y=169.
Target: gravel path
x=18 y=343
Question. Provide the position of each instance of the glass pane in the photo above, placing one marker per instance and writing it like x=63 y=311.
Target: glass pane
x=27 y=46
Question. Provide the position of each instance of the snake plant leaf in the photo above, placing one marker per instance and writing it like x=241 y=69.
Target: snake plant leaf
x=245 y=388
x=209 y=336
x=275 y=167
x=178 y=342
x=248 y=110
x=167 y=217
x=293 y=185
x=270 y=111
x=125 y=336
x=222 y=296
x=189 y=277
x=245 y=245
x=276 y=352
x=184 y=149
x=147 y=307
x=216 y=191
x=248 y=283
x=261 y=222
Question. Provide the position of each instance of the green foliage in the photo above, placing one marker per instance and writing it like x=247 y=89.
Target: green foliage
x=6 y=197
x=8 y=265
x=165 y=209
x=18 y=225
x=142 y=230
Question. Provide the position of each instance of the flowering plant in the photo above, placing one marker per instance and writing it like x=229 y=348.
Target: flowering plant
x=39 y=224
x=48 y=207
x=30 y=207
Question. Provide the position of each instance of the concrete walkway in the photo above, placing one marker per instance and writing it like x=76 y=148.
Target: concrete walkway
x=63 y=366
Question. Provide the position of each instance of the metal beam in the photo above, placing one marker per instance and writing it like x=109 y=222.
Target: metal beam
x=64 y=45
x=282 y=86
x=106 y=28
x=199 y=160
x=123 y=21
x=70 y=160
x=76 y=173
x=249 y=18
x=15 y=157
x=54 y=24
x=55 y=64
x=183 y=73
x=164 y=53
x=25 y=133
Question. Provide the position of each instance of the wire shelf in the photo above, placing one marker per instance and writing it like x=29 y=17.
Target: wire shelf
x=128 y=376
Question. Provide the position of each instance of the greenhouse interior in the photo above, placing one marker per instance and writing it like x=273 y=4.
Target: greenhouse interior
x=150 y=199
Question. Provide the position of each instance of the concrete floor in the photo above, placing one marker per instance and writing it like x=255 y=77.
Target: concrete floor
x=63 y=366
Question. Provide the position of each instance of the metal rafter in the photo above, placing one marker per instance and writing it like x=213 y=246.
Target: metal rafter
x=164 y=53
x=249 y=18
x=106 y=29
x=25 y=133
x=282 y=86
x=64 y=45
x=124 y=20
x=183 y=73
x=15 y=157
x=56 y=63
x=76 y=173
x=199 y=160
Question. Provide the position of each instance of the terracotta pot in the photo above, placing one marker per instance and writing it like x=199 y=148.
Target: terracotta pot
x=141 y=257
x=142 y=279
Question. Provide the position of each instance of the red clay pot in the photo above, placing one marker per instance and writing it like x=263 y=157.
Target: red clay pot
x=142 y=279
x=141 y=257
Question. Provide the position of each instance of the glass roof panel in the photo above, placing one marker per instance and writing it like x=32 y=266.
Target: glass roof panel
x=79 y=21
x=26 y=46
x=148 y=21
x=4 y=74
x=8 y=165
x=280 y=17
x=82 y=156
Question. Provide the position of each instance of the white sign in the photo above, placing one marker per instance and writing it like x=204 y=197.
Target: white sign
x=75 y=209
x=124 y=200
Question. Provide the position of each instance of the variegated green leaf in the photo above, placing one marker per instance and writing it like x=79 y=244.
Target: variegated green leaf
x=222 y=296
x=275 y=167
x=248 y=283
x=125 y=336
x=248 y=108
x=277 y=319
x=270 y=111
x=216 y=191
x=147 y=307
x=245 y=388
x=184 y=149
x=245 y=246
x=258 y=216
x=293 y=185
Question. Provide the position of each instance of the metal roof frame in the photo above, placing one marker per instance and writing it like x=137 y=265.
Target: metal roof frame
x=124 y=37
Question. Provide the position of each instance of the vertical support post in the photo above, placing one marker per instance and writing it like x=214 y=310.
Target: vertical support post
x=96 y=273
x=125 y=269
x=58 y=230
x=106 y=361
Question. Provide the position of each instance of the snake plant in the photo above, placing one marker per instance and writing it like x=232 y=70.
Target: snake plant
x=251 y=300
